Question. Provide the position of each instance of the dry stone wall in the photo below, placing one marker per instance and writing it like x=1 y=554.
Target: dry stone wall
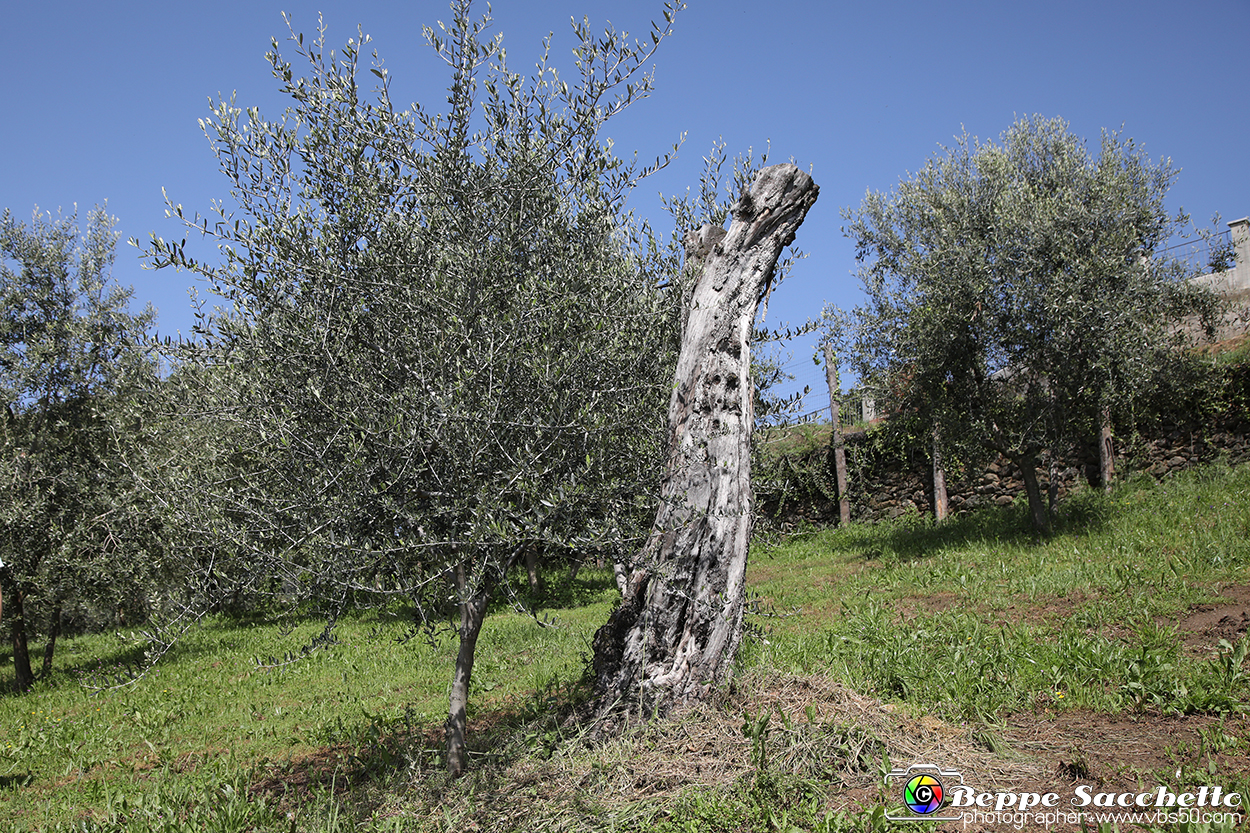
x=887 y=486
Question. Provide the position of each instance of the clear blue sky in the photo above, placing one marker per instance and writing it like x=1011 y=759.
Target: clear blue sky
x=101 y=100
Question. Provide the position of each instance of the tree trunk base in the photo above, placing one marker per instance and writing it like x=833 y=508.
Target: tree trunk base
x=472 y=615
x=23 y=678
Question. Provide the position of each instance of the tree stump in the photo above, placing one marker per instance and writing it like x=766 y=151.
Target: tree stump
x=676 y=632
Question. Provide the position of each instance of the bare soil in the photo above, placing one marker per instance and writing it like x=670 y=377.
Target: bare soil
x=1205 y=625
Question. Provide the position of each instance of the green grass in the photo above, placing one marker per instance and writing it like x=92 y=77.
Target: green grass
x=971 y=621
x=973 y=618
x=796 y=440
x=209 y=716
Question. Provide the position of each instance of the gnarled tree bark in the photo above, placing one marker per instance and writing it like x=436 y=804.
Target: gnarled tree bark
x=677 y=629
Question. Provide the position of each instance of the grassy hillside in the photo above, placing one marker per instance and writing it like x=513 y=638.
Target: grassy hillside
x=1113 y=651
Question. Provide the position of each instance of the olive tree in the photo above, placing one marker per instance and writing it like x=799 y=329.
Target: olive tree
x=442 y=345
x=1012 y=299
x=75 y=369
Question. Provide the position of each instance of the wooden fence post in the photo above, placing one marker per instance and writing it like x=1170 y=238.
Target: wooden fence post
x=838 y=441
x=940 y=505
x=1106 y=452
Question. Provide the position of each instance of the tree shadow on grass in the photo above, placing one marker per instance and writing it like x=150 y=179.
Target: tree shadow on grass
x=100 y=669
x=364 y=767
x=561 y=587
x=12 y=782
x=915 y=537
x=123 y=660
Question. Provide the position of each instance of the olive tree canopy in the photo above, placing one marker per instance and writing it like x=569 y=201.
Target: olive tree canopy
x=1012 y=298
x=444 y=346
x=75 y=369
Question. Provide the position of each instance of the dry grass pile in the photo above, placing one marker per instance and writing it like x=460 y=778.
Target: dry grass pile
x=808 y=728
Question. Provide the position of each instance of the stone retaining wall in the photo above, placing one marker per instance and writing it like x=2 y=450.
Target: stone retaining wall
x=888 y=486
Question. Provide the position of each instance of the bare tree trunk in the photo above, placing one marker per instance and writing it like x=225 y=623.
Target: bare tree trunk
x=620 y=569
x=23 y=679
x=472 y=614
x=839 y=442
x=531 y=568
x=54 y=630
x=1106 y=452
x=940 y=504
x=677 y=629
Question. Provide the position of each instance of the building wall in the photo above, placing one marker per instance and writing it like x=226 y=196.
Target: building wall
x=1233 y=284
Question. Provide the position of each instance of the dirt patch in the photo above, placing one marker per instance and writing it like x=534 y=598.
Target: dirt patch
x=910 y=606
x=298 y=781
x=1203 y=627
x=1009 y=611
x=1117 y=755
x=1054 y=610
x=1112 y=752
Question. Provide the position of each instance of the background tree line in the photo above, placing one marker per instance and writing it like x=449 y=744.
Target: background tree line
x=78 y=373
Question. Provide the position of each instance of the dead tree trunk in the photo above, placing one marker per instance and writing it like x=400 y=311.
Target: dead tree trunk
x=677 y=629
x=839 y=442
